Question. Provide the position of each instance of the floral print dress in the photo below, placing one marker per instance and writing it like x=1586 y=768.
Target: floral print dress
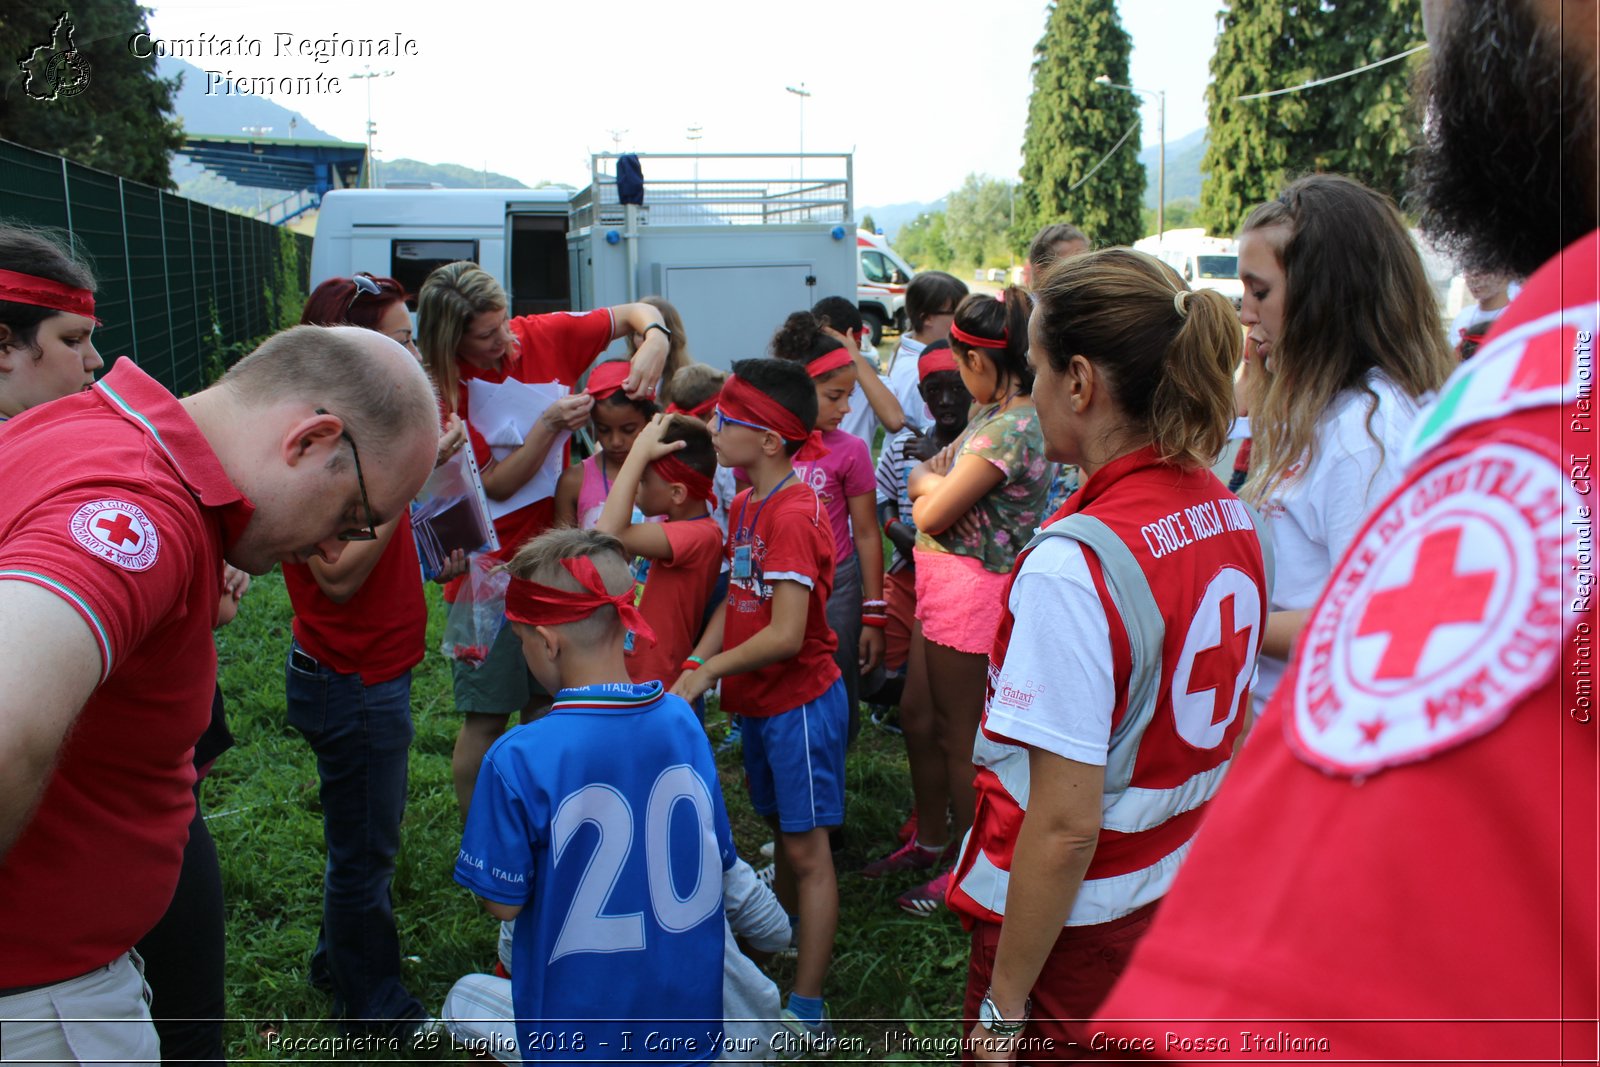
x=1008 y=515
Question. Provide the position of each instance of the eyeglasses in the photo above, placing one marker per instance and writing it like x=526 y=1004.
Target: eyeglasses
x=365 y=286
x=370 y=532
x=724 y=419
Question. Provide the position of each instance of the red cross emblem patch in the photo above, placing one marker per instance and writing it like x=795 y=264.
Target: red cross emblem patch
x=118 y=532
x=1445 y=613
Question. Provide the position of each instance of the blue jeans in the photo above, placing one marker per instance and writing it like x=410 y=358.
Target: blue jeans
x=361 y=735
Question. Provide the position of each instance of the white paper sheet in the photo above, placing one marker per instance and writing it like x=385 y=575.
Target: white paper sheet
x=504 y=413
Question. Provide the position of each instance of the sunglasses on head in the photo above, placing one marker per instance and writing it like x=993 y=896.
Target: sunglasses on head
x=365 y=286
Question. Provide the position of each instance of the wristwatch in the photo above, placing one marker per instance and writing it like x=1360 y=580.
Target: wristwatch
x=990 y=1019
x=656 y=326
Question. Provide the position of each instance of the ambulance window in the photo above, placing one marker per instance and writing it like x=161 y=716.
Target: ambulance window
x=875 y=268
x=410 y=262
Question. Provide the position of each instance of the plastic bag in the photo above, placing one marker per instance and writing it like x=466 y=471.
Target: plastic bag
x=478 y=612
x=452 y=513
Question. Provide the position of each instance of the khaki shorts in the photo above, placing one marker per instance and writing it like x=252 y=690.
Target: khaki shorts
x=102 y=1016
x=501 y=685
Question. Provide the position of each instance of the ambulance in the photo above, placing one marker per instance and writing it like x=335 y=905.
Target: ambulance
x=881 y=280
x=1205 y=262
x=735 y=242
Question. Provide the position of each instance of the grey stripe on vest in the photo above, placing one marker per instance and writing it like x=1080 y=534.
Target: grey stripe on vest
x=1141 y=618
x=1268 y=560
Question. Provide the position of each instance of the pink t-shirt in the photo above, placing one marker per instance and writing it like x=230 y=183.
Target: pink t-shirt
x=846 y=471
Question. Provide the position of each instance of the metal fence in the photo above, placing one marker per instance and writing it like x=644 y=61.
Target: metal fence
x=181 y=284
x=716 y=189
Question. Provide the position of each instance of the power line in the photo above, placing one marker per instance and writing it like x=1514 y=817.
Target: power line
x=1105 y=157
x=1332 y=77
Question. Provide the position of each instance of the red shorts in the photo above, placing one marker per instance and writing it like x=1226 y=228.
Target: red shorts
x=1077 y=976
x=900 y=590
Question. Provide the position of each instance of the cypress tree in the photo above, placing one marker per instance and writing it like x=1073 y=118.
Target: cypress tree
x=1362 y=126
x=1073 y=124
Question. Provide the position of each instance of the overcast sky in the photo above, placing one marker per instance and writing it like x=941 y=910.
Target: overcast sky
x=923 y=91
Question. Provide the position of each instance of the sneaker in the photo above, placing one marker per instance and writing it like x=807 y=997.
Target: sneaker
x=925 y=899
x=734 y=736
x=766 y=874
x=804 y=1037
x=768 y=850
x=887 y=720
x=910 y=856
x=908 y=829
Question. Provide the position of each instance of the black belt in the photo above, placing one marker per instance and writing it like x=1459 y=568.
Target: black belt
x=16 y=991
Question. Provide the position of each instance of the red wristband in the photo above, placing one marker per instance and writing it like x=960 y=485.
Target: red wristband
x=877 y=622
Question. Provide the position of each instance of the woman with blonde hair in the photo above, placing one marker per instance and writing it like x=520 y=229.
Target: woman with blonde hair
x=1119 y=673
x=466 y=333
x=1349 y=344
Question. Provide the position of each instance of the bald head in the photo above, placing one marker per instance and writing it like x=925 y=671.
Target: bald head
x=368 y=380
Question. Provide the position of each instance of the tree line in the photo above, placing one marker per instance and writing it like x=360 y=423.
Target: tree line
x=1080 y=149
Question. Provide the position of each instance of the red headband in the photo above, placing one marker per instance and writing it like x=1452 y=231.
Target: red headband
x=934 y=361
x=743 y=401
x=674 y=469
x=830 y=361
x=972 y=340
x=701 y=411
x=608 y=378
x=541 y=605
x=42 y=292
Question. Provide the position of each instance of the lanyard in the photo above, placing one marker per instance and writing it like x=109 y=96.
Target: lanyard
x=742 y=530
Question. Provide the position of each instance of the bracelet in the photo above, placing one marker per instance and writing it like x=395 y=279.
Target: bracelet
x=877 y=622
x=695 y=659
x=690 y=665
x=884 y=604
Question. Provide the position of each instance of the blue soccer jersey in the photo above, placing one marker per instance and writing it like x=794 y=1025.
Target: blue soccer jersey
x=604 y=821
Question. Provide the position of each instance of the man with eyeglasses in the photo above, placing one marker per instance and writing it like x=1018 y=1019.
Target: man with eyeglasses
x=118 y=507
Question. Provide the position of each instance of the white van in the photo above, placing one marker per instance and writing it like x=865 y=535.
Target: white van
x=881 y=280
x=733 y=263
x=1204 y=262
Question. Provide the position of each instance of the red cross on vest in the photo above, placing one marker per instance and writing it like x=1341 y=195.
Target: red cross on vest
x=119 y=531
x=1216 y=668
x=1435 y=596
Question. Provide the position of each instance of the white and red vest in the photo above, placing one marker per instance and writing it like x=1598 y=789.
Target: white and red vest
x=1178 y=564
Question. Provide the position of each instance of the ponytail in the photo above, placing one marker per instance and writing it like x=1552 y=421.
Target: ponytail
x=1192 y=408
x=1167 y=353
x=801 y=340
x=999 y=329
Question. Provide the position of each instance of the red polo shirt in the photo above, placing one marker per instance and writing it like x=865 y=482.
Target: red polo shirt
x=557 y=347
x=381 y=631
x=114 y=501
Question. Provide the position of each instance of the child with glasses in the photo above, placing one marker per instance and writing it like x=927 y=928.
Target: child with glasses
x=772 y=649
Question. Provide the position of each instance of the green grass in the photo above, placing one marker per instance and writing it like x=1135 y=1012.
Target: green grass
x=261 y=799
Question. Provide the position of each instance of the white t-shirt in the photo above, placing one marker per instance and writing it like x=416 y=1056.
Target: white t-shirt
x=904 y=383
x=862 y=420
x=1314 y=517
x=1055 y=690
x=1472 y=313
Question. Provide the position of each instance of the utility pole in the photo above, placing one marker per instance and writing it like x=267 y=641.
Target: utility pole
x=802 y=93
x=372 y=165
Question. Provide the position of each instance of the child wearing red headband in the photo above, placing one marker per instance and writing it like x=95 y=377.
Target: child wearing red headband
x=589 y=796
x=615 y=420
x=668 y=474
x=772 y=649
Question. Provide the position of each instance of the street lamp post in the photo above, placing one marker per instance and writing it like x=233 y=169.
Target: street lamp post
x=1161 y=126
x=693 y=136
x=371 y=129
x=802 y=93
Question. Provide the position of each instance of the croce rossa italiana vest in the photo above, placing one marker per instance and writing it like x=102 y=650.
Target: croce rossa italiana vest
x=1178 y=565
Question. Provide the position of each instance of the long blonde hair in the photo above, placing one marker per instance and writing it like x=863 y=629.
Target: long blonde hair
x=449 y=298
x=1168 y=352
x=1356 y=300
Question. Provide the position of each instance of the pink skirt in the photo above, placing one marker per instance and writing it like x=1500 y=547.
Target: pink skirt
x=959 y=603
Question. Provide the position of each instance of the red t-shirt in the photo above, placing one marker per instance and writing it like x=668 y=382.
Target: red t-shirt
x=674 y=600
x=788 y=538
x=114 y=501
x=1407 y=851
x=380 y=632
x=557 y=347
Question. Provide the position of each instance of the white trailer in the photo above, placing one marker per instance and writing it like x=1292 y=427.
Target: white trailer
x=735 y=242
